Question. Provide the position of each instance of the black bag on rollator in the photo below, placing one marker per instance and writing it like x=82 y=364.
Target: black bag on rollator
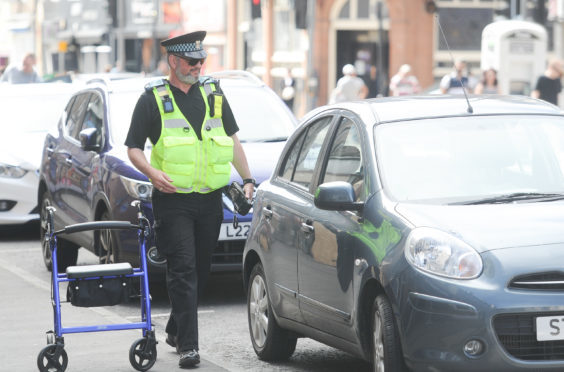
x=98 y=292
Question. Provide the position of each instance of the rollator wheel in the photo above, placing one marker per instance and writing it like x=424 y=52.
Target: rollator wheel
x=48 y=361
x=143 y=354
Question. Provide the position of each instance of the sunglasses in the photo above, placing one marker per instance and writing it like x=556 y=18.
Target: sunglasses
x=193 y=61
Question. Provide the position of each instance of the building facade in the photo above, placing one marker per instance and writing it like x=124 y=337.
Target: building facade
x=312 y=39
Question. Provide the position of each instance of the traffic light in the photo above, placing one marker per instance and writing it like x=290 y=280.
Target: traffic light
x=540 y=12
x=301 y=13
x=255 y=9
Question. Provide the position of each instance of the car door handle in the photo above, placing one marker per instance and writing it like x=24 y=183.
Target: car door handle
x=267 y=212
x=306 y=227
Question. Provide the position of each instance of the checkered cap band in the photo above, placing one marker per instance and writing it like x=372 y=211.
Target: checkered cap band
x=183 y=48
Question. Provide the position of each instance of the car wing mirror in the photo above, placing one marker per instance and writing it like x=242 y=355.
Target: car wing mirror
x=336 y=196
x=89 y=139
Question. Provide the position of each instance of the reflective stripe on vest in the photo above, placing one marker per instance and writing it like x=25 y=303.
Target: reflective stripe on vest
x=193 y=165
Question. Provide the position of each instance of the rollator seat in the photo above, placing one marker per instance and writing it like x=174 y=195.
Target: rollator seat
x=88 y=271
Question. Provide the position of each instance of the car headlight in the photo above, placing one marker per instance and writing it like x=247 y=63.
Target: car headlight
x=439 y=253
x=11 y=171
x=137 y=189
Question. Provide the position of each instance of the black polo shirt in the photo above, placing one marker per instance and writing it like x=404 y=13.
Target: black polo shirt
x=146 y=119
x=549 y=89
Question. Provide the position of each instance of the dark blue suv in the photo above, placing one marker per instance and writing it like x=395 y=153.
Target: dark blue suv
x=86 y=174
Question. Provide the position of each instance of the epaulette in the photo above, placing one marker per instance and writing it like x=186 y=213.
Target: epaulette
x=160 y=85
x=204 y=80
x=215 y=95
x=154 y=84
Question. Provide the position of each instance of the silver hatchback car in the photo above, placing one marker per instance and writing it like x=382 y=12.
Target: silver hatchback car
x=422 y=233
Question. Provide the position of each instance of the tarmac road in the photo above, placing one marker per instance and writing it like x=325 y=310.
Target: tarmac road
x=26 y=314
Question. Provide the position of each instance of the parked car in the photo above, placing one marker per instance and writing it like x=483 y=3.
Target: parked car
x=27 y=112
x=87 y=176
x=415 y=233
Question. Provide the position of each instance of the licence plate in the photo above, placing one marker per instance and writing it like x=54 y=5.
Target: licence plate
x=550 y=328
x=228 y=232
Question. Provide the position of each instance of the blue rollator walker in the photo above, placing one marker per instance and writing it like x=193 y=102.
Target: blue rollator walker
x=99 y=285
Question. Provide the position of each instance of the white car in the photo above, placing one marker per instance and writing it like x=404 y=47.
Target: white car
x=27 y=112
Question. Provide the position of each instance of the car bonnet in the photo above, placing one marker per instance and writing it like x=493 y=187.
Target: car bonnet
x=492 y=226
x=22 y=149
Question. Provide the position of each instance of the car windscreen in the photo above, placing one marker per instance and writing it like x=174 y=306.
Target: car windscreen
x=33 y=113
x=121 y=109
x=260 y=115
x=468 y=158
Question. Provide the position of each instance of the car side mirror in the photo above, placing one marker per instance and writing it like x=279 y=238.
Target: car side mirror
x=89 y=139
x=336 y=196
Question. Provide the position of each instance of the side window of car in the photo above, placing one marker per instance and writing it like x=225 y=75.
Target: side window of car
x=66 y=114
x=345 y=158
x=301 y=159
x=74 y=119
x=94 y=117
x=309 y=153
x=290 y=162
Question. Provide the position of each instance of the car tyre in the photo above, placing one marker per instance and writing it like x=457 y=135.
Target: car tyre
x=386 y=347
x=271 y=343
x=67 y=252
x=106 y=243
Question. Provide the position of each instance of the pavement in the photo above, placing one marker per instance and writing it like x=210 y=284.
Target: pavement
x=26 y=314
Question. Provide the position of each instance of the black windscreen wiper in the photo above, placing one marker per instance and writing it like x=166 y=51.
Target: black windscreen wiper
x=273 y=139
x=516 y=196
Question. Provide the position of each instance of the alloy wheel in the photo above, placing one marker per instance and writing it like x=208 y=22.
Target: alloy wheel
x=107 y=246
x=44 y=228
x=258 y=311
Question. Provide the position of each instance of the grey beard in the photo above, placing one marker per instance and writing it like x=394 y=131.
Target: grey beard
x=186 y=79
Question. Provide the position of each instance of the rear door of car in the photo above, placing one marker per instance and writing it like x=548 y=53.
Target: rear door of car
x=326 y=258
x=288 y=204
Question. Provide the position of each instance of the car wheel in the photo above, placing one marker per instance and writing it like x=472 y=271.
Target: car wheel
x=386 y=348
x=271 y=343
x=106 y=242
x=67 y=252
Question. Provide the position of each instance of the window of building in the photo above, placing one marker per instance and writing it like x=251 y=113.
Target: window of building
x=463 y=27
x=362 y=9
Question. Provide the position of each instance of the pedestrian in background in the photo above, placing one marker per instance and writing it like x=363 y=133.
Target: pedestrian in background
x=403 y=83
x=23 y=74
x=373 y=82
x=454 y=82
x=548 y=85
x=488 y=84
x=177 y=117
x=288 y=89
x=349 y=87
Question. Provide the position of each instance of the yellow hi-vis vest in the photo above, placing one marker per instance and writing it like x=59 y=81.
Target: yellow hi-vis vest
x=193 y=165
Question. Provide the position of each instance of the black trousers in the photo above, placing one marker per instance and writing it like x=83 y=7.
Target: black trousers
x=187 y=228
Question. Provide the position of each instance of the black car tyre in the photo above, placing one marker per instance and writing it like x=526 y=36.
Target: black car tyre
x=271 y=343
x=67 y=252
x=386 y=348
x=106 y=243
